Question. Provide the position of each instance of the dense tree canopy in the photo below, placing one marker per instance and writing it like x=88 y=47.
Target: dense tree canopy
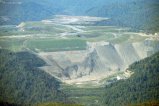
x=142 y=86
x=22 y=82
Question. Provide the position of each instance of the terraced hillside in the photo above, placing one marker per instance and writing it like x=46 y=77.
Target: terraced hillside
x=77 y=51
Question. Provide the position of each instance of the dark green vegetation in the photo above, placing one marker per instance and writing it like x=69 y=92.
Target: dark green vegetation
x=136 y=14
x=29 y=10
x=150 y=103
x=21 y=82
x=12 y=44
x=7 y=104
x=56 y=45
x=40 y=104
x=86 y=96
x=141 y=87
x=37 y=44
x=57 y=104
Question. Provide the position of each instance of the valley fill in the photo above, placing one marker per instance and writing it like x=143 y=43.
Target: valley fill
x=79 y=53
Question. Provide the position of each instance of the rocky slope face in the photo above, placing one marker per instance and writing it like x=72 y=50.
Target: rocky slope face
x=100 y=60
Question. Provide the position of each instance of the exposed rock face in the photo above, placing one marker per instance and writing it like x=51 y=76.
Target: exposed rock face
x=98 y=59
x=128 y=53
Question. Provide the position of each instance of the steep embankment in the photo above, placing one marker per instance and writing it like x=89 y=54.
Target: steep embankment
x=99 y=61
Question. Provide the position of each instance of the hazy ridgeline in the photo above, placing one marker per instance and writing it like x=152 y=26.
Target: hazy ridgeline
x=138 y=14
x=79 y=52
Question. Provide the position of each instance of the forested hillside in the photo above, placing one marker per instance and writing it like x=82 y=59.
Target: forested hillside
x=136 y=14
x=142 y=86
x=23 y=10
x=73 y=52
x=22 y=82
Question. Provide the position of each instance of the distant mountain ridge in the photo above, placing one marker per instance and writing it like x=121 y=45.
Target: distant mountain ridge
x=138 y=14
x=25 y=11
